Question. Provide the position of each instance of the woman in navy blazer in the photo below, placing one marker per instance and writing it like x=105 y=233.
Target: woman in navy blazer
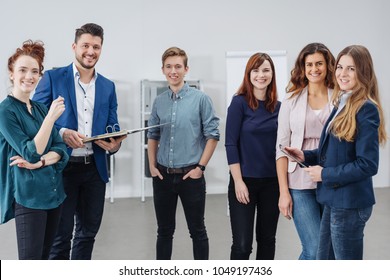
x=348 y=156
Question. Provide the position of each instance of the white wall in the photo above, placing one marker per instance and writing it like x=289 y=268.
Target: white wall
x=138 y=31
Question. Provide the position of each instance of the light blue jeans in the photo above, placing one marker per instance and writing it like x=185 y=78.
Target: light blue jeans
x=307 y=218
x=341 y=233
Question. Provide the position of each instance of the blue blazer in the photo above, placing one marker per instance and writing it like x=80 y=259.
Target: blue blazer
x=60 y=81
x=348 y=167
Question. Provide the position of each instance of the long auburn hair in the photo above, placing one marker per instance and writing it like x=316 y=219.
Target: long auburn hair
x=298 y=80
x=344 y=124
x=246 y=88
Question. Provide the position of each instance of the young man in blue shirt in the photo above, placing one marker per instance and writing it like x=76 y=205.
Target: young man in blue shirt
x=178 y=154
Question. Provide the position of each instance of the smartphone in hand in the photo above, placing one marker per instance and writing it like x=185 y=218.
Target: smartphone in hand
x=292 y=157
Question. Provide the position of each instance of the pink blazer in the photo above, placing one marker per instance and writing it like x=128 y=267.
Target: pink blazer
x=291 y=123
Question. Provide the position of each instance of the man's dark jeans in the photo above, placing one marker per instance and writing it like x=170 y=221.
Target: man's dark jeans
x=85 y=192
x=192 y=193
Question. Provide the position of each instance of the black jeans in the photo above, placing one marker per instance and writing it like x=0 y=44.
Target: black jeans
x=82 y=212
x=35 y=231
x=192 y=193
x=263 y=196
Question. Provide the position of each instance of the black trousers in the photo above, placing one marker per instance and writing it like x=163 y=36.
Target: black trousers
x=192 y=193
x=264 y=197
x=82 y=212
x=35 y=231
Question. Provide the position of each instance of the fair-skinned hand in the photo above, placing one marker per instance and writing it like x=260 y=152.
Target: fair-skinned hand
x=314 y=172
x=155 y=172
x=285 y=205
x=111 y=146
x=56 y=109
x=242 y=193
x=296 y=152
x=195 y=173
x=22 y=163
x=73 y=139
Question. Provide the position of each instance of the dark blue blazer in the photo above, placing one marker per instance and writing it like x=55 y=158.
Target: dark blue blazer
x=60 y=81
x=348 y=167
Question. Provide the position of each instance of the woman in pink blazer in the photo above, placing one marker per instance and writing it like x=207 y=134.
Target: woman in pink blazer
x=301 y=118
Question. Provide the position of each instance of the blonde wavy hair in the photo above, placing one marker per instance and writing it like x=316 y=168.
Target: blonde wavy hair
x=344 y=124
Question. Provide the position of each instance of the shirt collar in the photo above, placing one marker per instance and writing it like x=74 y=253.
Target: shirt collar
x=17 y=100
x=344 y=96
x=76 y=73
x=181 y=93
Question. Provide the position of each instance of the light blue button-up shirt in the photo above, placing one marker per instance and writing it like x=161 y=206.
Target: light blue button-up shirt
x=192 y=121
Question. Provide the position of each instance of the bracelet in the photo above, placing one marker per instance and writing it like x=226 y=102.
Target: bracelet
x=43 y=162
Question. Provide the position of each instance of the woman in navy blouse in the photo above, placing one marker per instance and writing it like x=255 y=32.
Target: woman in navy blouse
x=32 y=156
x=251 y=129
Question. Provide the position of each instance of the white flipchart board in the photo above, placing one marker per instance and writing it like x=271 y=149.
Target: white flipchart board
x=235 y=66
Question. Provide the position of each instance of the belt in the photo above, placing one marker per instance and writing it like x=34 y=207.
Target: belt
x=82 y=160
x=179 y=170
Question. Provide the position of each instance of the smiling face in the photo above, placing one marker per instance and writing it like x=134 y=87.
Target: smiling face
x=175 y=71
x=346 y=73
x=315 y=68
x=261 y=77
x=87 y=50
x=25 y=75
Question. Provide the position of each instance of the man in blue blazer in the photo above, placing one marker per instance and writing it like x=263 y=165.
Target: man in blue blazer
x=91 y=107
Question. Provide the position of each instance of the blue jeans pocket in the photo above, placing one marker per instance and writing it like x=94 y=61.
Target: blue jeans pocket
x=365 y=213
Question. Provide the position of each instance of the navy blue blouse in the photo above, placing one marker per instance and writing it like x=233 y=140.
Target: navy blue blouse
x=251 y=138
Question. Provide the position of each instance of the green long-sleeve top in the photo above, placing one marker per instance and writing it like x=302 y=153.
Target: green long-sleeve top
x=39 y=188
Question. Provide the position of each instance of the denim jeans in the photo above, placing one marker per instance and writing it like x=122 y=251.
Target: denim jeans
x=192 y=193
x=35 y=231
x=307 y=218
x=82 y=212
x=263 y=196
x=341 y=233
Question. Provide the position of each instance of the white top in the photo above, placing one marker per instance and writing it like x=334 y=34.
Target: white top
x=85 y=100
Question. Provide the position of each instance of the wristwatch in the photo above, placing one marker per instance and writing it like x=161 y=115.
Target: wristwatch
x=202 y=167
x=43 y=161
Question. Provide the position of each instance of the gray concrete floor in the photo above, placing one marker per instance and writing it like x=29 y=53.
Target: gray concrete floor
x=128 y=232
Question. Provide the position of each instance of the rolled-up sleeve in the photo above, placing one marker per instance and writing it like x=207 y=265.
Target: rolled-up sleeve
x=210 y=121
x=59 y=147
x=154 y=133
x=16 y=137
